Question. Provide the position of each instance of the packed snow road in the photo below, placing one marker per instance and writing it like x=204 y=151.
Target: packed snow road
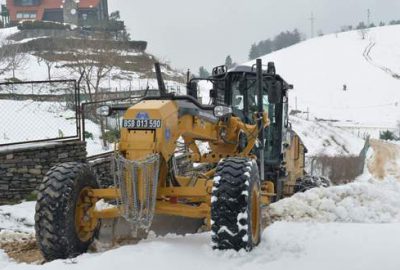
x=284 y=246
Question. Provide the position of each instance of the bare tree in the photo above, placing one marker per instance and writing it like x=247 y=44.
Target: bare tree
x=11 y=57
x=44 y=58
x=363 y=33
x=15 y=57
x=94 y=64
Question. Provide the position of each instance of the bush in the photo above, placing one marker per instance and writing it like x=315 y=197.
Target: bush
x=30 y=25
x=387 y=135
x=31 y=197
x=12 y=79
x=88 y=135
x=111 y=136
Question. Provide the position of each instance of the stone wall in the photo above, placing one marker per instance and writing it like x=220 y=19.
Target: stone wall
x=102 y=167
x=22 y=167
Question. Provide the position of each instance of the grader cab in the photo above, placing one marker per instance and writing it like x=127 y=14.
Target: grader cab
x=253 y=159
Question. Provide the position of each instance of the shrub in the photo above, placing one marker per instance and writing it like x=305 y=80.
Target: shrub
x=387 y=135
x=31 y=25
x=88 y=135
x=111 y=136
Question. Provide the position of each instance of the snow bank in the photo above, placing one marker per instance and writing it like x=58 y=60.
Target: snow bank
x=368 y=201
x=322 y=138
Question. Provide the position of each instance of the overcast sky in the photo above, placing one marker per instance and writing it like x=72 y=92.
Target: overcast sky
x=196 y=33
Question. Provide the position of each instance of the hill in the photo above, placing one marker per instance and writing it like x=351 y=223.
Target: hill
x=44 y=54
x=353 y=82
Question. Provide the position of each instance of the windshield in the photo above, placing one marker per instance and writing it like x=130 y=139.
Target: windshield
x=242 y=107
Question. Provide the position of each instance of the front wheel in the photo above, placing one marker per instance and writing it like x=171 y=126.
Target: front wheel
x=63 y=224
x=236 y=205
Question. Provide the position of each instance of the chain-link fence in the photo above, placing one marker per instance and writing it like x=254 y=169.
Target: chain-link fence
x=39 y=111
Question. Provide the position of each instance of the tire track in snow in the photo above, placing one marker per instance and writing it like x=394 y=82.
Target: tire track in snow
x=368 y=58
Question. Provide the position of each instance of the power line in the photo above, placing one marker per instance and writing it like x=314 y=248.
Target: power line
x=312 y=21
x=368 y=17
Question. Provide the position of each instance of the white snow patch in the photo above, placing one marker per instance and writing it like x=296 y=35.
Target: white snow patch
x=361 y=201
x=241 y=216
x=225 y=229
x=217 y=179
x=18 y=218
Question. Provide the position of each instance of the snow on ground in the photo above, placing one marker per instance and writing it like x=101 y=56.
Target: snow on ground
x=323 y=138
x=6 y=32
x=284 y=246
x=32 y=120
x=354 y=226
x=320 y=67
x=368 y=201
x=16 y=222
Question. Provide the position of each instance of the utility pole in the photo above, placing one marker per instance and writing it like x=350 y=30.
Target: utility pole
x=312 y=21
x=368 y=17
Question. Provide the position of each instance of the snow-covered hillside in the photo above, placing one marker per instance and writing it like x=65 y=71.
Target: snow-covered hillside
x=32 y=67
x=320 y=68
x=51 y=119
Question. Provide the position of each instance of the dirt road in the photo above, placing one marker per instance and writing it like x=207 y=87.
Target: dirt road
x=385 y=161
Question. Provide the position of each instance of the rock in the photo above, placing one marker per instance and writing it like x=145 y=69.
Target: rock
x=35 y=171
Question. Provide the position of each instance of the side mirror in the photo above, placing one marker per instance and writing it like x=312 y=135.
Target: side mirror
x=104 y=111
x=274 y=92
x=192 y=89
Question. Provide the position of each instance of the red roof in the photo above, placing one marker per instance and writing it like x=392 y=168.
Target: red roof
x=46 y=4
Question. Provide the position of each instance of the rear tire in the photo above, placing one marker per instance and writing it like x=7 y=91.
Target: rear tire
x=235 y=205
x=55 y=217
x=308 y=182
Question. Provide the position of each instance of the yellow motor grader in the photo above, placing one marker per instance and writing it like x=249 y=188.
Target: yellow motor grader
x=254 y=158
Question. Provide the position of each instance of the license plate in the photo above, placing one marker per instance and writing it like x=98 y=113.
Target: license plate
x=141 y=123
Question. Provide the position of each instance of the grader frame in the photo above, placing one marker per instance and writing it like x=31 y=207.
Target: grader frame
x=145 y=186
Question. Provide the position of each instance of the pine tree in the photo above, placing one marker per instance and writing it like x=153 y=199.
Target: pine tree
x=228 y=61
x=254 y=53
x=387 y=135
x=203 y=73
x=361 y=25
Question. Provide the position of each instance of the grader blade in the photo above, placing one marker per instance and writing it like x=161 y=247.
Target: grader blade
x=120 y=229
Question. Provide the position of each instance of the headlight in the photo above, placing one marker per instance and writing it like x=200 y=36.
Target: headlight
x=222 y=111
x=103 y=111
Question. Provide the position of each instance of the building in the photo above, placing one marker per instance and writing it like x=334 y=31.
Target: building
x=79 y=12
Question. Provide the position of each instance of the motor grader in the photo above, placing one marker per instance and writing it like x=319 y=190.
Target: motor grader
x=253 y=158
